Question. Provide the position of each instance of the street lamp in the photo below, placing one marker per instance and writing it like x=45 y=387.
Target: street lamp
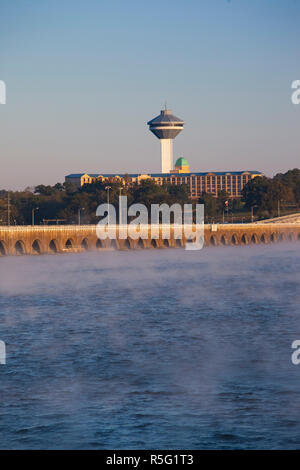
x=278 y=208
x=80 y=209
x=255 y=206
x=32 y=213
x=8 y=208
x=107 y=188
x=226 y=207
x=120 y=211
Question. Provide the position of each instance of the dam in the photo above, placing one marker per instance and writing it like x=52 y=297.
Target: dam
x=35 y=240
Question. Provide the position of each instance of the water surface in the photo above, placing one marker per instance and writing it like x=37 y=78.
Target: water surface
x=151 y=349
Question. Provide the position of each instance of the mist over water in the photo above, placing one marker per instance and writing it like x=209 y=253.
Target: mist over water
x=151 y=349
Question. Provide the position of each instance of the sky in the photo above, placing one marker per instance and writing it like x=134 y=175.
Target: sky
x=83 y=77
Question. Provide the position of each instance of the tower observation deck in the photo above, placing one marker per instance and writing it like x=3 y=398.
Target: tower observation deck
x=166 y=127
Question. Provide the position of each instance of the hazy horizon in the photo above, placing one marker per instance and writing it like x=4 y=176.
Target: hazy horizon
x=83 y=79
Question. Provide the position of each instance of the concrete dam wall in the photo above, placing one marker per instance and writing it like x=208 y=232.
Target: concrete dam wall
x=31 y=240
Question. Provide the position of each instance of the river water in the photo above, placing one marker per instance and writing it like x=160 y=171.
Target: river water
x=151 y=349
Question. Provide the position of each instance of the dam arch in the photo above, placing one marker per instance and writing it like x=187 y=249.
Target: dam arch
x=140 y=243
x=85 y=244
x=36 y=247
x=244 y=239
x=53 y=246
x=3 y=250
x=69 y=244
x=127 y=244
x=113 y=244
x=254 y=239
x=234 y=239
x=213 y=241
x=20 y=248
x=263 y=239
x=223 y=240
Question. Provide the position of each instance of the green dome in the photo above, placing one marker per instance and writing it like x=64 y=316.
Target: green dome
x=181 y=162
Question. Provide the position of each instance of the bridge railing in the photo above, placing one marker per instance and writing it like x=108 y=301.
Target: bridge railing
x=46 y=228
x=92 y=228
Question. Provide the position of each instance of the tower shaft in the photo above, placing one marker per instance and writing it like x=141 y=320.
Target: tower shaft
x=166 y=151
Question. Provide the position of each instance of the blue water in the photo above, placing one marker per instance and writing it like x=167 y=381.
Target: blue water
x=151 y=349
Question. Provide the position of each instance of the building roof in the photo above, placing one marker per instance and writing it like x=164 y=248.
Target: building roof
x=163 y=175
x=213 y=173
x=181 y=162
x=165 y=116
x=76 y=175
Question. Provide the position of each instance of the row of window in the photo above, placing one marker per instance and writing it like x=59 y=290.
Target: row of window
x=228 y=180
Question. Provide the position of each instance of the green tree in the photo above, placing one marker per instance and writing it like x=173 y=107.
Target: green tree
x=264 y=193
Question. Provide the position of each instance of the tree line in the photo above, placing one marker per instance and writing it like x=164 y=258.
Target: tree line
x=67 y=204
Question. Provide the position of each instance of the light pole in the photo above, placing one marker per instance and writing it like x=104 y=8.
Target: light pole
x=278 y=208
x=8 y=208
x=32 y=213
x=120 y=211
x=80 y=209
x=107 y=188
x=226 y=207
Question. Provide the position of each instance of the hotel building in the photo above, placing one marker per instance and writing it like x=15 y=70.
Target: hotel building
x=210 y=182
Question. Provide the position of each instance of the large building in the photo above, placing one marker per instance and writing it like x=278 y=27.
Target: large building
x=166 y=127
x=198 y=183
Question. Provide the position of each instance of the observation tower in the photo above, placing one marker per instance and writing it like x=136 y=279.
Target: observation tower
x=166 y=127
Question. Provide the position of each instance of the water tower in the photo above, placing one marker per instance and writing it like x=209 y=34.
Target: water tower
x=166 y=127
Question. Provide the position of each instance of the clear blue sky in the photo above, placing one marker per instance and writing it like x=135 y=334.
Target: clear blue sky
x=84 y=76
